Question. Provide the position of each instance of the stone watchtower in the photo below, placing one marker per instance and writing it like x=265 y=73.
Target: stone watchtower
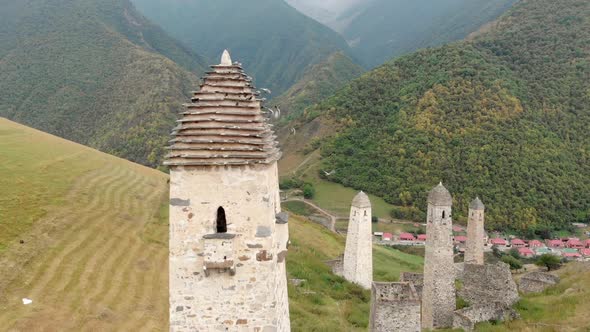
x=228 y=238
x=358 y=254
x=475 y=233
x=438 y=295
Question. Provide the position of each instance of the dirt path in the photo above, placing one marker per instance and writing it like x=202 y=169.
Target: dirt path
x=332 y=217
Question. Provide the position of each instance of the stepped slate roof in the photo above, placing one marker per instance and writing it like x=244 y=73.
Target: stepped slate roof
x=477 y=204
x=224 y=123
x=439 y=195
x=361 y=200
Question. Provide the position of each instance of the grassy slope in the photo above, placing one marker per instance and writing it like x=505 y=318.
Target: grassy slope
x=275 y=42
x=96 y=72
x=86 y=219
x=94 y=255
x=503 y=116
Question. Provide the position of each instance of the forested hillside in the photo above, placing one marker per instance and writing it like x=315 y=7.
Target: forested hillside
x=275 y=43
x=380 y=30
x=319 y=82
x=96 y=72
x=504 y=116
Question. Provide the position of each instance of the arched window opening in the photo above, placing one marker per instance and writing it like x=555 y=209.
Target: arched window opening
x=365 y=213
x=221 y=222
x=443 y=215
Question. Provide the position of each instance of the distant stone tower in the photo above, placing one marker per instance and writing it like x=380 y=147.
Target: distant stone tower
x=358 y=254
x=438 y=295
x=228 y=238
x=475 y=233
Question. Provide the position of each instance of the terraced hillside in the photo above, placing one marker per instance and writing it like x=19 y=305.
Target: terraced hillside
x=84 y=235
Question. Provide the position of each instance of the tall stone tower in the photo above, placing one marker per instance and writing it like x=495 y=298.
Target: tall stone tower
x=358 y=253
x=438 y=295
x=475 y=233
x=228 y=237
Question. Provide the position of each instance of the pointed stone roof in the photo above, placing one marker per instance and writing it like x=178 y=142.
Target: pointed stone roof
x=439 y=195
x=476 y=204
x=361 y=200
x=224 y=123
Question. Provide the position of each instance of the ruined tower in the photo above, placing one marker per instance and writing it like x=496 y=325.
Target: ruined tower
x=358 y=254
x=228 y=237
x=475 y=233
x=438 y=295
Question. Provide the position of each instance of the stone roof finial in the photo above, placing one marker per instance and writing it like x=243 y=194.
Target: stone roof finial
x=225 y=59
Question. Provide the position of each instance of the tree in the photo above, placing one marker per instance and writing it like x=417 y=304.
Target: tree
x=496 y=251
x=374 y=219
x=551 y=262
x=308 y=191
x=514 y=263
x=514 y=253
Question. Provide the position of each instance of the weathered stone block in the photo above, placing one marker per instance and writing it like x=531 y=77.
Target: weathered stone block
x=467 y=318
x=395 y=306
x=536 y=282
x=488 y=283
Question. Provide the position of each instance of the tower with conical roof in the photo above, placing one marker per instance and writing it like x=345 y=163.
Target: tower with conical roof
x=438 y=294
x=475 y=233
x=228 y=236
x=358 y=253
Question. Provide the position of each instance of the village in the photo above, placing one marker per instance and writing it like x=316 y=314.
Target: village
x=568 y=248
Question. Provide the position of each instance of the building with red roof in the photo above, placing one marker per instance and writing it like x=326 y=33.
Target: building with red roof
x=498 y=242
x=587 y=243
x=387 y=237
x=518 y=243
x=535 y=244
x=458 y=229
x=555 y=244
x=460 y=239
x=585 y=252
x=526 y=252
x=575 y=244
x=422 y=237
x=572 y=255
x=406 y=237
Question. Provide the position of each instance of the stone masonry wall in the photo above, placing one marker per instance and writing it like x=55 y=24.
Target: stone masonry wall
x=245 y=287
x=483 y=284
x=438 y=295
x=395 y=307
x=536 y=282
x=416 y=279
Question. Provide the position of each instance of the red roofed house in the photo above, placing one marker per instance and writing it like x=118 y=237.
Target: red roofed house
x=460 y=239
x=498 y=242
x=406 y=237
x=387 y=236
x=575 y=244
x=458 y=229
x=526 y=252
x=555 y=243
x=422 y=237
x=587 y=243
x=535 y=244
x=571 y=255
x=585 y=252
x=518 y=243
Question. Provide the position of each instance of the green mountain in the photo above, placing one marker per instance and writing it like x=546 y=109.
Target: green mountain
x=319 y=82
x=379 y=30
x=504 y=116
x=96 y=72
x=275 y=42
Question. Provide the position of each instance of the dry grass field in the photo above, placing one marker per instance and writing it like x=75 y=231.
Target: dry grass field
x=92 y=256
